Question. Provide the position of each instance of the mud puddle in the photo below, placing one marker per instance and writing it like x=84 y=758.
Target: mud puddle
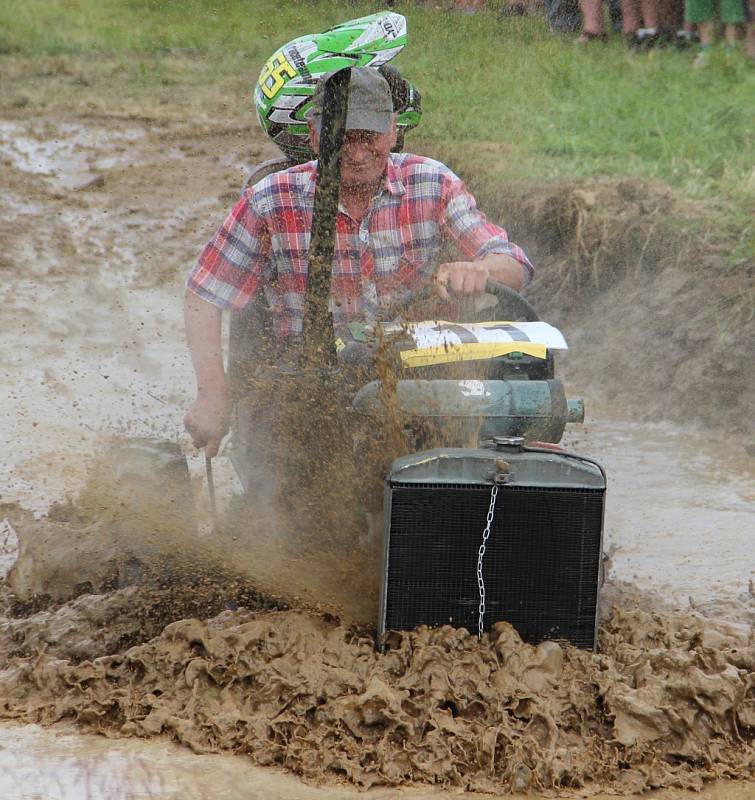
x=69 y=154
x=680 y=513
x=92 y=327
x=60 y=763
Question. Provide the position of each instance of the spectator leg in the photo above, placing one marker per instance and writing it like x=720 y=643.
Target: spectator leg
x=630 y=13
x=703 y=14
x=731 y=34
x=650 y=17
x=592 y=14
x=707 y=31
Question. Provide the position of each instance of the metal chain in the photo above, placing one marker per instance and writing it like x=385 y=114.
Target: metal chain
x=481 y=555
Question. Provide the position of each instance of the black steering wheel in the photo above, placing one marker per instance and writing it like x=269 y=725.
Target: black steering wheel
x=508 y=305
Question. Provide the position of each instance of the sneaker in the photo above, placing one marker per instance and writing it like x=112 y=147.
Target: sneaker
x=702 y=59
x=685 y=39
x=644 y=39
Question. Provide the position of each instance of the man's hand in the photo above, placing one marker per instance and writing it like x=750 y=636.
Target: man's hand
x=462 y=277
x=469 y=277
x=207 y=421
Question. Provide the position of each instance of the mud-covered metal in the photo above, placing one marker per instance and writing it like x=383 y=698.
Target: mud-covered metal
x=544 y=547
x=535 y=408
x=528 y=467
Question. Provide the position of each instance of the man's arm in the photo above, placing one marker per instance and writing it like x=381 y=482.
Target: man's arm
x=207 y=418
x=227 y=274
x=487 y=247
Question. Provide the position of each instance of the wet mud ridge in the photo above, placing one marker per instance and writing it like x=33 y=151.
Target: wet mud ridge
x=669 y=701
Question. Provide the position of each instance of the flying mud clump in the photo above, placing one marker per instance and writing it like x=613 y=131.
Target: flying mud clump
x=669 y=701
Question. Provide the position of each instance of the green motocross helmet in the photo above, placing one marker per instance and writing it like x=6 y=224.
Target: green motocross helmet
x=283 y=92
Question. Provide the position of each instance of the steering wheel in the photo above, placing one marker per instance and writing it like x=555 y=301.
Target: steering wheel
x=508 y=305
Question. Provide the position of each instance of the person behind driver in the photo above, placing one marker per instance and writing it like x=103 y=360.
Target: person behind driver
x=393 y=210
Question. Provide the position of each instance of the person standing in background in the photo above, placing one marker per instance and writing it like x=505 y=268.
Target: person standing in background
x=703 y=13
x=648 y=23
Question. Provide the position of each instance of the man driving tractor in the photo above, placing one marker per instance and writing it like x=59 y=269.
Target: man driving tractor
x=394 y=209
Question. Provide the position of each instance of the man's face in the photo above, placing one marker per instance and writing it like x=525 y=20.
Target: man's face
x=364 y=155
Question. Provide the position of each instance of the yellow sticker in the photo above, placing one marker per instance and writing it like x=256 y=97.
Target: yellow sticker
x=271 y=80
x=473 y=351
x=340 y=344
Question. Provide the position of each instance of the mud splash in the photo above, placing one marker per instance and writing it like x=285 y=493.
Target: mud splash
x=669 y=702
x=72 y=553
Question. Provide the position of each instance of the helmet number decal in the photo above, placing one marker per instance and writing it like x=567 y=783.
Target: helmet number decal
x=272 y=77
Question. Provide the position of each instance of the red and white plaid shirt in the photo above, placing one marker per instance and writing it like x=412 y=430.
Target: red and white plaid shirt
x=265 y=242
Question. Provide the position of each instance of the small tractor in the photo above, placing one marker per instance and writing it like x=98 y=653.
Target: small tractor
x=485 y=517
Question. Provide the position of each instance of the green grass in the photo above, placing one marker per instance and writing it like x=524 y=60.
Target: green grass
x=553 y=111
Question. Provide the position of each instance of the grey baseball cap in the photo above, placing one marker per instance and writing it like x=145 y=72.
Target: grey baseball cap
x=370 y=101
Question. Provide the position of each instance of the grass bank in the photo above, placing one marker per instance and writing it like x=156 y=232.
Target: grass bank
x=541 y=108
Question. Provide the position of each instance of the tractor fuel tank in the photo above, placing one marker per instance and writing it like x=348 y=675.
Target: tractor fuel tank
x=537 y=409
x=542 y=559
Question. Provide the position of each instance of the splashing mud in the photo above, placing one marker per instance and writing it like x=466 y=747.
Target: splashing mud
x=668 y=702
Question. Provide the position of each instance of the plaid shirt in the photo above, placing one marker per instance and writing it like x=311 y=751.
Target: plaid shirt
x=265 y=242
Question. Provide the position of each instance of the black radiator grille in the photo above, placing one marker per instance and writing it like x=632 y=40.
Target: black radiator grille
x=541 y=565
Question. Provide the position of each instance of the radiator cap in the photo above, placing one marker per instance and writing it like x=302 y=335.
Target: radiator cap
x=509 y=441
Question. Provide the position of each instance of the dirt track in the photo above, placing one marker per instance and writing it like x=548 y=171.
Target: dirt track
x=100 y=219
x=100 y=216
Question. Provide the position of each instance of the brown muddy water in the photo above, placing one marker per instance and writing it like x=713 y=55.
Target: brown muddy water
x=99 y=220
x=61 y=764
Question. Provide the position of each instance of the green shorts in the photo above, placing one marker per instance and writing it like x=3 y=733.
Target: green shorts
x=732 y=11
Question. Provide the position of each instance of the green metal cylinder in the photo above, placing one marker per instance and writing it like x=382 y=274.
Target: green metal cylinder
x=535 y=409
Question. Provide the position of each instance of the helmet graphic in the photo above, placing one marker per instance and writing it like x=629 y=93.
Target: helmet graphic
x=283 y=92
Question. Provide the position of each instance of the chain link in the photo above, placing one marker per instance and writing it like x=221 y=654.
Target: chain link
x=481 y=555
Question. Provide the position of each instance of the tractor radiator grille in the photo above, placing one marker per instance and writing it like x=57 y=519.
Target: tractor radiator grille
x=541 y=566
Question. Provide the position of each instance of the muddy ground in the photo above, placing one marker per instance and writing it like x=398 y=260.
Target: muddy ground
x=105 y=201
